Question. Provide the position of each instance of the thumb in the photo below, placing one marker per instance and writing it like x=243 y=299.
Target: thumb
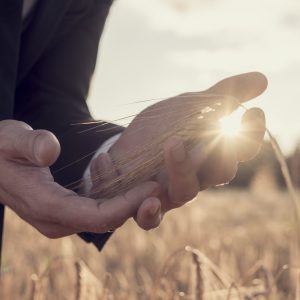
x=39 y=147
x=237 y=89
x=244 y=87
x=46 y=148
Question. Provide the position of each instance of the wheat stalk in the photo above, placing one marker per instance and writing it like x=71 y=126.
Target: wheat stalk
x=106 y=286
x=35 y=293
x=199 y=288
x=292 y=192
x=87 y=286
x=288 y=180
x=233 y=286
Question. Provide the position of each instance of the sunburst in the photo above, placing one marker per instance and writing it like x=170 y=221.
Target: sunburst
x=231 y=125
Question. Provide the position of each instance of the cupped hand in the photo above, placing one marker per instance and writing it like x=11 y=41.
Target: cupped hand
x=185 y=171
x=27 y=186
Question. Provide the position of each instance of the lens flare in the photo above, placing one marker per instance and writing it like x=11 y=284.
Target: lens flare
x=231 y=125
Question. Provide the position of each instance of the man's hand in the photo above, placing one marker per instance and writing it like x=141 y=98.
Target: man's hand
x=211 y=162
x=27 y=186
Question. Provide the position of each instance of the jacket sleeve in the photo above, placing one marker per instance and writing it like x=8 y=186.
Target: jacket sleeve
x=53 y=95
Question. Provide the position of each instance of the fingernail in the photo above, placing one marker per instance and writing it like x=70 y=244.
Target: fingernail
x=38 y=144
x=178 y=152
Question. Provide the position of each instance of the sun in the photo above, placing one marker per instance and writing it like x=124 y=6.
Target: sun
x=231 y=125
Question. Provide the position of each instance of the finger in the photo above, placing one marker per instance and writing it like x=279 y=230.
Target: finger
x=215 y=161
x=251 y=136
x=121 y=208
x=149 y=214
x=229 y=92
x=52 y=230
x=244 y=87
x=102 y=171
x=84 y=214
x=102 y=168
x=183 y=182
x=39 y=147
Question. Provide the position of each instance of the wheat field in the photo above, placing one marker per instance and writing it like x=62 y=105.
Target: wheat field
x=227 y=244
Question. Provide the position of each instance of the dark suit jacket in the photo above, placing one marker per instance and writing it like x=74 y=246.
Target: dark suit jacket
x=45 y=76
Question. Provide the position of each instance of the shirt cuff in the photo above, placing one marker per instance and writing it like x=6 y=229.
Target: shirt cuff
x=104 y=148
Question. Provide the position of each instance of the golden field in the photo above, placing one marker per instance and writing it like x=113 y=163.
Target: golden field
x=246 y=242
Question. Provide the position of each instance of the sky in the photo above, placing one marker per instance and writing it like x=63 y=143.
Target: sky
x=154 y=49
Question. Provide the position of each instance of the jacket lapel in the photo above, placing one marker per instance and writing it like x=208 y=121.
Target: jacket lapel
x=35 y=39
x=10 y=31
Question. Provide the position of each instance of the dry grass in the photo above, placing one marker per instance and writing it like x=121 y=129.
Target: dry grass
x=245 y=250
